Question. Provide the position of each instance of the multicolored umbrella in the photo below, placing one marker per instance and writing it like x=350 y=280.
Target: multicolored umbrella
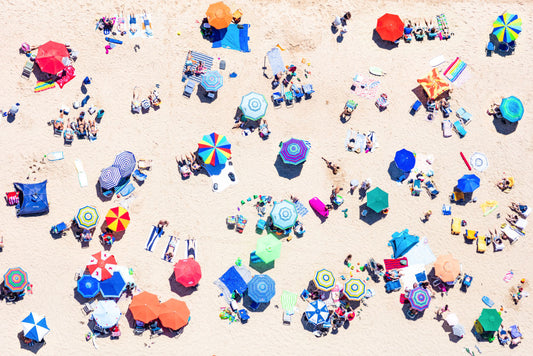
x=214 y=149
x=219 y=15
x=262 y=288
x=113 y=287
x=106 y=313
x=294 y=151
x=390 y=27
x=468 y=183
x=109 y=177
x=34 y=327
x=174 y=314
x=268 y=248
x=145 y=307
x=377 y=200
x=212 y=80
x=490 y=319
x=288 y=301
x=512 y=109
x=88 y=286
x=125 y=162
x=419 y=298
x=434 y=84
x=324 y=280
x=405 y=160
x=16 y=279
x=50 y=57
x=253 y=106
x=187 y=272
x=117 y=219
x=317 y=312
x=284 y=214
x=87 y=217
x=102 y=265
x=507 y=27
x=354 y=289
x=447 y=268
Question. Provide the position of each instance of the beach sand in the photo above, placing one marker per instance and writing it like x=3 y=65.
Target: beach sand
x=193 y=210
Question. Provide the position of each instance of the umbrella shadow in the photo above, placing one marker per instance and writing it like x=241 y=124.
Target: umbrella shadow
x=247 y=301
x=405 y=309
x=503 y=126
x=395 y=173
x=287 y=171
x=80 y=298
x=306 y=324
x=258 y=265
x=178 y=288
x=202 y=95
x=382 y=44
x=371 y=216
x=100 y=194
x=34 y=347
x=42 y=76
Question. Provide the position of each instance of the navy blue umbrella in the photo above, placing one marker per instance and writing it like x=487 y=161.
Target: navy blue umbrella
x=113 y=287
x=405 y=160
x=468 y=183
x=88 y=286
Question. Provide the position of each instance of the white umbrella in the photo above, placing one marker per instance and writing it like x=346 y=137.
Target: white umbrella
x=458 y=330
x=479 y=161
x=452 y=319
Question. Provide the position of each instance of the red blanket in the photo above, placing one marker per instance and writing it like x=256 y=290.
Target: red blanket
x=395 y=263
x=67 y=76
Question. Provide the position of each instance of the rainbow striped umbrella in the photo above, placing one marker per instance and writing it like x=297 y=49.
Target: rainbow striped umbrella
x=117 y=219
x=87 y=217
x=16 y=279
x=324 y=280
x=214 y=149
x=419 y=298
x=354 y=289
x=507 y=27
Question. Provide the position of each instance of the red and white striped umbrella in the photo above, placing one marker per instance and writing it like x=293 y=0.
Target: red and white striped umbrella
x=102 y=265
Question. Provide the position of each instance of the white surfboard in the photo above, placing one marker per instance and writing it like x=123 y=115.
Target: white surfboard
x=82 y=176
x=437 y=61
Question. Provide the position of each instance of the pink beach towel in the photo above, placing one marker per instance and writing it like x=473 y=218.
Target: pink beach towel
x=319 y=207
x=508 y=276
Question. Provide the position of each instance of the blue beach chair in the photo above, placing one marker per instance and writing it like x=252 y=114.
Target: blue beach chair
x=277 y=98
x=415 y=107
x=308 y=90
x=139 y=177
x=393 y=286
x=189 y=88
x=459 y=128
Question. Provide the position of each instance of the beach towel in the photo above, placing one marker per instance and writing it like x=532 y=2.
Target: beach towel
x=44 y=85
x=301 y=209
x=366 y=88
x=395 y=263
x=220 y=176
x=489 y=206
x=135 y=27
x=197 y=57
x=508 y=276
x=147 y=28
x=442 y=22
x=372 y=137
x=154 y=237
x=176 y=244
x=455 y=69
x=232 y=37
x=191 y=248
x=360 y=143
x=67 y=76
x=127 y=202
x=275 y=60
x=420 y=254
x=349 y=134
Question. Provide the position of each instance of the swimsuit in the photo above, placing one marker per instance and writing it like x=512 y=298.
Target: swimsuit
x=133 y=20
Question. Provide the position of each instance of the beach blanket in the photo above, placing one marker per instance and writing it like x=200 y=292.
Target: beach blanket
x=232 y=37
x=176 y=244
x=67 y=76
x=420 y=254
x=301 y=209
x=154 y=237
x=135 y=29
x=147 y=28
x=508 y=276
x=395 y=263
x=197 y=57
x=366 y=88
x=275 y=60
x=220 y=176
x=455 y=69
x=44 y=85
x=442 y=22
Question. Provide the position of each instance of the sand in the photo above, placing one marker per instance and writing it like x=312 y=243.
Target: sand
x=193 y=210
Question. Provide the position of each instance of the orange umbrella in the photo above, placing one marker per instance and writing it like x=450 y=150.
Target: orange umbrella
x=219 y=15
x=117 y=219
x=434 y=84
x=447 y=268
x=174 y=314
x=145 y=307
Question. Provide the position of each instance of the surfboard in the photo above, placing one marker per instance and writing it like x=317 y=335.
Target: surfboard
x=376 y=71
x=437 y=61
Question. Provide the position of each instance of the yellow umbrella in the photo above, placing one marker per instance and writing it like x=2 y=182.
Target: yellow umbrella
x=117 y=219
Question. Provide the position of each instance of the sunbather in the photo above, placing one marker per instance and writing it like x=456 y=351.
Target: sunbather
x=200 y=69
x=369 y=144
x=334 y=191
x=504 y=184
x=189 y=62
x=146 y=23
x=184 y=168
x=516 y=340
x=1 y=243
x=136 y=100
x=520 y=209
x=431 y=28
x=93 y=130
x=120 y=20
x=347 y=113
x=335 y=168
x=133 y=23
x=264 y=131
x=155 y=101
x=191 y=252
x=193 y=158
x=171 y=251
x=351 y=140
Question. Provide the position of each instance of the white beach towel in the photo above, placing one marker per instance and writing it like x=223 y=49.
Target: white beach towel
x=360 y=143
x=220 y=176
x=148 y=30
x=82 y=176
x=176 y=245
x=135 y=26
x=275 y=60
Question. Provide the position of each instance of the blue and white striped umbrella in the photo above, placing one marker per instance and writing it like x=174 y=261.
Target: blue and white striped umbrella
x=253 y=106
x=109 y=177
x=34 y=327
x=261 y=288
x=317 y=312
x=212 y=80
x=125 y=161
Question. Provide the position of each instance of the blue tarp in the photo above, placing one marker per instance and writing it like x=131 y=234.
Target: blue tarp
x=402 y=242
x=232 y=37
x=233 y=281
x=32 y=199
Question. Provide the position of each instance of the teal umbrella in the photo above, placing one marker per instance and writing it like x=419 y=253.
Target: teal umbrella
x=377 y=200
x=284 y=215
x=253 y=106
x=512 y=109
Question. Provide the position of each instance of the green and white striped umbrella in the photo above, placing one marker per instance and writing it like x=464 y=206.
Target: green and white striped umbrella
x=288 y=301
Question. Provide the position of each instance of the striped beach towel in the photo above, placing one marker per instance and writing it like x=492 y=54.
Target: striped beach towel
x=42 y=86
x=154 y=237
x=395 y=263
x=455 y=69
x=508 y=276
x=300 y=208
x=197 y=57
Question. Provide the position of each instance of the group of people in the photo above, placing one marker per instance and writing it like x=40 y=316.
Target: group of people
x=138 y=104
x=249 y=126
x=192 y=67
x=188 y=163
x=107 y=23
x=417 y=29
x=81 y=127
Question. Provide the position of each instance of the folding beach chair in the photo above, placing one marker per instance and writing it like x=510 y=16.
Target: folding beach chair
x=447 y=128
x=88 y=308
x=417 y=188
x=308 y=90
x=490 y=49
x=139 y=177
x=431 y=189
x=393 y=286
x=289 y=99
x=456 y=226
x=297 y=92
x=464 y=116
x=243 y=316
x=68 y=141
x=277 y=99
x=382 y=102
x=415 y=107
x=260 y=226
x=446 y=209
x=459 y=128
x=59 y=229
x=28 y=69
x=189 y=88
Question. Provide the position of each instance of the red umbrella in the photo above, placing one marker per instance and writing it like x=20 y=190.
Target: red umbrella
x=188 y=272
x=390 y=27
x=102 y=265
x=50 y=57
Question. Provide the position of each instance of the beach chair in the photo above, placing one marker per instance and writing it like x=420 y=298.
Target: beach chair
x=382 y=102
x=308 y=90
x=241 y=223
x=144 y=164
x=277 y=99
x=416 y=188
x=243 y=316
x=88 y=308
x=289 y=99
x=189 y=88
x=68 y=140
x=28 y=69
x=503 y=48
x=58 y=132
x=431 y=189
x=12 y=198
x=481 y=244
x=139 y=177
x=456 y=226
x=230 y=222
x=471 y=234
x=297 y=92
x=447 y=128
x=260 y=226
x=211 y=95
x=457 y=197
x=467 y=281
x=511 y=233
x=59 y=229
x=446 y=209
x=446 y=112
x=459 y=128
x=393 y=286
x=464 y=116
x=432 y=35
x=305 y=295
x=287 y=318
x=415 y=107
x=253 y=306
x=490 y=49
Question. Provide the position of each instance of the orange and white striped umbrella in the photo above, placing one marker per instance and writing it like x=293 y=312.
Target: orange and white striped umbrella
x=117 y=219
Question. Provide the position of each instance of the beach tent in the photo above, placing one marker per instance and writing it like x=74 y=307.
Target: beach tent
x=507 y=27
x=262 y=288
x=145 y=307
x=284 y=214
x=512 y=109
x=434 y=84
x=32 y=199
x=187 y=272
x=236 y=278
x=174 y=314
x=390 y=27
x=402 y=242
x=51 y=57
x=34 y=327
x=219 y=15
x=377 y=200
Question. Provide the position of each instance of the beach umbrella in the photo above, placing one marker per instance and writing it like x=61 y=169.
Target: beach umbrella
x=458 y=330
x=354 y=289
x=317 y=312
x=468 y=183
x=402 y=242
x=219 y=15
x=377 y=200
x=88 y=286
x=174 y=314
x=434 y=84
x=187 y=272
x=125 y=162
x=419 y=298
x=117 y=219
x=268 y=248
x=262 y=288
x=390 y=27
x=106 y=313
x=87 y=217
x=512 y=109
x=109 y=177
x=50 y=57
x=490 y=319
x=214 y=149
x=34 y=327
x=113 y=287
x=507 y=27
x=479 y=161
x=405 y=160
x=253 y=106
x=16 y=279
x=288 y=301
x=452 y=319
x=294 y=151
x=447 y=268
x=324 y=280
x=102 y=265
x=145 y=307
x=212 y=80
x=284 y=214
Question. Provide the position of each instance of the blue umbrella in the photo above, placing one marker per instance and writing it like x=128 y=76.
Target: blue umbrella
x=212 y=80
x=468 y=183
x=405 y=160
x=125 y=162
x=253 y=106
x=88 y=286
x=109 y=177
x=402 y=242
x=261 y=288
x=317 y=312
x=113 y=287
x=34 y=327
x=284 y=215
x=512 y=109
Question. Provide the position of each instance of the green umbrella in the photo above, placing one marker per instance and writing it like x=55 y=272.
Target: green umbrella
x=288 y=301
x=490 y=319
x=377 y=200
x=268 y=248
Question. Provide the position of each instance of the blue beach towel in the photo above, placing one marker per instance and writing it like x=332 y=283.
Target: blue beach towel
x=301 y=209
x=232 y=38
x=154 y=237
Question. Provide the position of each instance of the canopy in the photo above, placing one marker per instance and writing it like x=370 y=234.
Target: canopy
x=317 y=312
x=88 y=286
x=294 y=151
x=288 y=301
x=50 y=57
x=212 y=80
x=512 y=109
x=113 y=287
x=117 y=219
x=34 y=327
x=174 y=314
x=268 y=248
x=434 y=84
x=32 y=199
x=458 y=330
x=447 y=268
x=377 y=200
x=507 y=27
x=214 y=149
x=402 y=242
x=354 y=289
x=284 y=214
x=16 y=279
x=468 y=183
x=419 y=298
x=490 y=319
x=187 y=272
x=145 y=307
x=87 y=217
x=106 y=313
x=405 y=160
x=236 y=278
x=102 y=265
x=125 y=162
x=253 y=106
x=261 y=288
x=219 y=15
x=390 y=27
x=109 y=177
x=324 y=280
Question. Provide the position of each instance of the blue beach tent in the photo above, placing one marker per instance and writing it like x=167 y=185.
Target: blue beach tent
x=32 y=199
